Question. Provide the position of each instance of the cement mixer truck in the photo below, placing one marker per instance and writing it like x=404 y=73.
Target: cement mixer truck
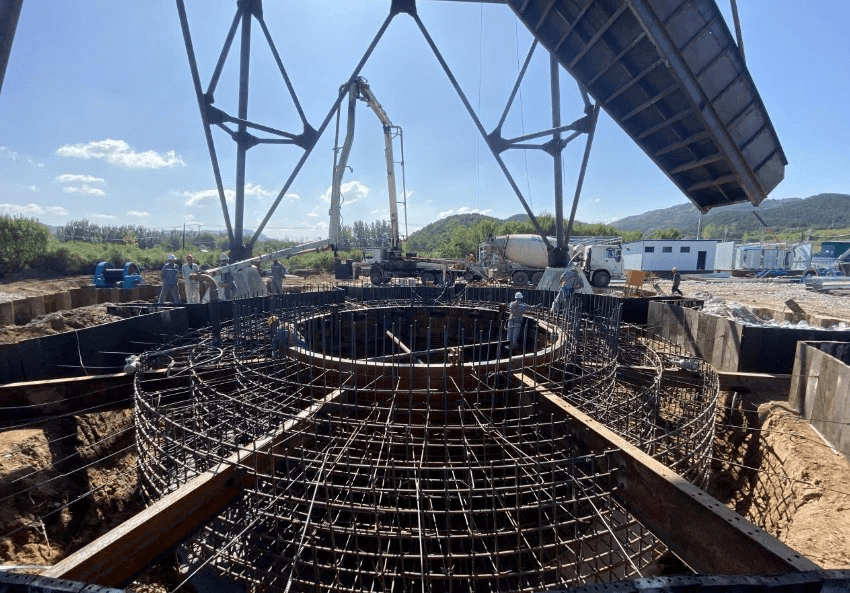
x=522 y=259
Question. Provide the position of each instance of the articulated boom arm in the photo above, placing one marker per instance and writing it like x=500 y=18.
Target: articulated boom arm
x=371 y=101
x=315 y=246
x=358 y=88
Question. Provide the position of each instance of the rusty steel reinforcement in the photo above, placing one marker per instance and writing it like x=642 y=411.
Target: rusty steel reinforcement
x=388 y=444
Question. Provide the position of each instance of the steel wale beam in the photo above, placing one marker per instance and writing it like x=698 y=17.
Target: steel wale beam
x=114 y=558
x=700 y=530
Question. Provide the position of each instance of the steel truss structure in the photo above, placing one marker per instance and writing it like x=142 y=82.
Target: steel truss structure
x=395 y=444
x=246 y=133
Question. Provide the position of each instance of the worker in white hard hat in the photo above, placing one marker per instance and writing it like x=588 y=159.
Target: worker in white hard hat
x=227 y=282
x=170 y=272
x=193 y=287
x=516 y=308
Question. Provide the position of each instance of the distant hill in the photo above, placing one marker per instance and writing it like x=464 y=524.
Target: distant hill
x=432 y=237
x=818 y=212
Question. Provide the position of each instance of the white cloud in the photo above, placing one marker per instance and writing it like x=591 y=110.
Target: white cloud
x=118 y=152
x=352 y=192
x=75 y=178
x=86 y=190
x=32 y=187
x=190 y=219
x=138 y=213
x=468 y=210
x=463 y=210
x=8 y=153
x=103 y=216
x=313 y=212
x=201 y=198
x=252 y=189
x=32 y=210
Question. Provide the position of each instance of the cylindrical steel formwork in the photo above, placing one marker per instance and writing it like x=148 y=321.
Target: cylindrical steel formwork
x=402 y=453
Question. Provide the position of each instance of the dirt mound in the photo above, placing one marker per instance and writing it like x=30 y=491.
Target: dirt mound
x=58 y=322
x=60 y=488
x=774 y=469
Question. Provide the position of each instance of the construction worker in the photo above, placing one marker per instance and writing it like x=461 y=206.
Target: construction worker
x=516 y=308
x=569 y=283
x=193 y=287
x=278 y=272
x=227 y=282
x=170 y=271
x=677 y=279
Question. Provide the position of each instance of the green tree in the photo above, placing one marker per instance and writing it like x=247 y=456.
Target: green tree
x=666 y=234
x=22 y=241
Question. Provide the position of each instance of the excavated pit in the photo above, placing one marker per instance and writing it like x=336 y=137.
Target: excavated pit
x=422 y=462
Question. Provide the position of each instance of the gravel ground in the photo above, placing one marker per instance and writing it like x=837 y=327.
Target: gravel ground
x=769 y=293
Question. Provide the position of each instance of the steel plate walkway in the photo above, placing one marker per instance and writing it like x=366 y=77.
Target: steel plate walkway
x=670 y=73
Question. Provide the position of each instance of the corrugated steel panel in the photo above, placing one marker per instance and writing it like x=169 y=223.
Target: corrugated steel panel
x=670 y=73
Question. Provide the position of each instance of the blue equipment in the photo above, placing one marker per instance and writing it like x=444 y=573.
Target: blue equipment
x=128 y=277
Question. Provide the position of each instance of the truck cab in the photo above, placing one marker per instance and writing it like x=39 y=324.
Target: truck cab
x=602 y=262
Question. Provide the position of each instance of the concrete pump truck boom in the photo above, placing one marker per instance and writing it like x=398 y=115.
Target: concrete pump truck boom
x=381 y=263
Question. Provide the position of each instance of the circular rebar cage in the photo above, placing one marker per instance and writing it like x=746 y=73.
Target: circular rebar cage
x=402 y=445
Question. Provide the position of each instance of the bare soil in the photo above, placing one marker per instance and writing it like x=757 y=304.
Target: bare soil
x=771 y=467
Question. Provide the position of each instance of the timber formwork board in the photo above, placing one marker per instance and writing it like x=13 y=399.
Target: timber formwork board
x=670 y=74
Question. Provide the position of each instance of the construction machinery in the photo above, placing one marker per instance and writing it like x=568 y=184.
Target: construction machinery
x=242 y=279
x=522 y=259
x=127 y=277
x=382 y=263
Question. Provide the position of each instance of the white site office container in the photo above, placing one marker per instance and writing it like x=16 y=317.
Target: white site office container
x=661 y=255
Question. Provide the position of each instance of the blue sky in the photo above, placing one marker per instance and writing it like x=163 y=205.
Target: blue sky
x=98 y=117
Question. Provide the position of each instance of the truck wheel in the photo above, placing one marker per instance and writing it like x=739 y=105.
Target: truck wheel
x=520 y=278
x=601 y=279
x=376 y=277
x=535 y=280
x=428 y=278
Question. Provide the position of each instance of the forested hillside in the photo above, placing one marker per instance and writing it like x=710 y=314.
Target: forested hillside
x=458 y=235
x=822 y=211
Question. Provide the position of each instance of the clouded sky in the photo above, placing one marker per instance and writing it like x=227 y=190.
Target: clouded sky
x=98 y=117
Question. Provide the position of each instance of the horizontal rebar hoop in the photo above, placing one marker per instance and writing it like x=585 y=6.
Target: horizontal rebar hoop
x=427 y=469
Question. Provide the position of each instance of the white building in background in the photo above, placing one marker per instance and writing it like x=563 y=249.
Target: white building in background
x=754 y=257
x=661 y=255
